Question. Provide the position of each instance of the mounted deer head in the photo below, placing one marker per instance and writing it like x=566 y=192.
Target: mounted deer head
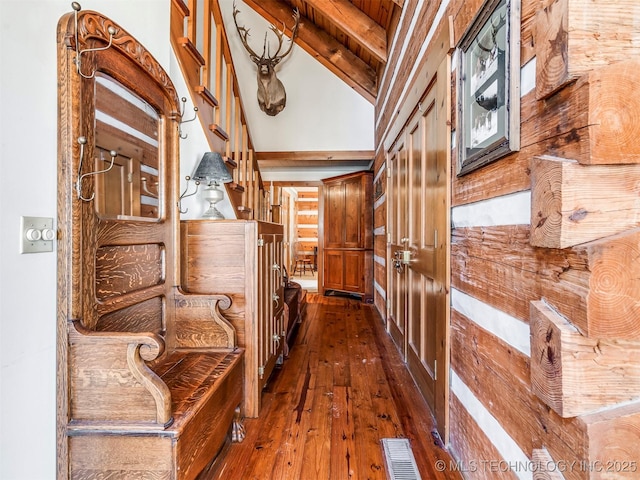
x=271 y=95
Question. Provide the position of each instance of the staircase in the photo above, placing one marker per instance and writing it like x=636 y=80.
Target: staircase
x=213 y=87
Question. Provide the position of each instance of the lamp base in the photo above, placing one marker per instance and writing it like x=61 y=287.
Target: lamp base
x=213 y=213
x=213 y=195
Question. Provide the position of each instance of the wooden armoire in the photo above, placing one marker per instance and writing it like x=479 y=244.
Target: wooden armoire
x=348 y=235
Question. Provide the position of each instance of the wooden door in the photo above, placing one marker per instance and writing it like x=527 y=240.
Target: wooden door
x=397 y=220
x=421 y=272
x=419 y=224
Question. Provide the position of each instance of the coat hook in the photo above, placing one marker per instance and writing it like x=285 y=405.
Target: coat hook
x=112 y=31
x=185 y=195
x=145 y=187
x=82 y=141
x=182 y=110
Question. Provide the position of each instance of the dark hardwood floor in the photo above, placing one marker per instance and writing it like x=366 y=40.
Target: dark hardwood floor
x=341 y=390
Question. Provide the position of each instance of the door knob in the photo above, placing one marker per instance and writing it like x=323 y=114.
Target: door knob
x=397 y=263
x=403 y=256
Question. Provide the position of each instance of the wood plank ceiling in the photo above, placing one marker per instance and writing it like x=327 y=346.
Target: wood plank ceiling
x=350 y=38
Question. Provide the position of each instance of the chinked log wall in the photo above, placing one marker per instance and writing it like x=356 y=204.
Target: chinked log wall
x=545 y=325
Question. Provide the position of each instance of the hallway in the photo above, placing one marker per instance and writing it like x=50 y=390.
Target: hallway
x=341 y=390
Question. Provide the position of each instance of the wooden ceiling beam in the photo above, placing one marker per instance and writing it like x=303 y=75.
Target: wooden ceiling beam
x=280 y=165
x=296 y=183
x=324 y=48
x=308 y=156
x=356 y=24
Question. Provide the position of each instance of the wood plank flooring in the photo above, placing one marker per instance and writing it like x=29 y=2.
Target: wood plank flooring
x=341 y=390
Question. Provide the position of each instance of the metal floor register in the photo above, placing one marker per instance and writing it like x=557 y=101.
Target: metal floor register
x=399 y=459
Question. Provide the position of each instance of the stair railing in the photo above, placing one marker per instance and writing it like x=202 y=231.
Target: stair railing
x=200 y=42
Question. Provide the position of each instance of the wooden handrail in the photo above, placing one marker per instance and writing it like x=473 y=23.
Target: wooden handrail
x=220 y=110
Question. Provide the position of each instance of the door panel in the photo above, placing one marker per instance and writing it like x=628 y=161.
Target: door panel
x=333 y=269
x=418 y=219
x=397 y=277
x=353 y=270
x=334 y=216
x=422 y=346
x=271 y=306
x=352 y=225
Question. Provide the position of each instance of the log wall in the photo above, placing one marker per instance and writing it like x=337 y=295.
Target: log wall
x=380 y=235
x=545 y=246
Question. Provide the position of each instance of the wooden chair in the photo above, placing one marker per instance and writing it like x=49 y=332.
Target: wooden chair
x=301 y=263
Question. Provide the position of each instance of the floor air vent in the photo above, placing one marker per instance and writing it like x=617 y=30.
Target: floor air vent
x=401 y=465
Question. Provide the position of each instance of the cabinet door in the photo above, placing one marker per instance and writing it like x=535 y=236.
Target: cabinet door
x=264 y=309
x=353 y=206
x=270 y=303
x=333 y=269
x=353 y=272
x=277 y=270
x=334 y=215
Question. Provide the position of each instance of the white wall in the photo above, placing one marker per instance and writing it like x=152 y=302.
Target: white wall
x=28 y=187
x=192 y=148
x=322 y=112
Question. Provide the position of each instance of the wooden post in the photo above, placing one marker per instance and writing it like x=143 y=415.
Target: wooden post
x=594 y=120
x=613 y=299
x=251 y=191
x=613 y=442
x=545 y=467
x=192 y=21
x=597 y=287
x=575 y=36
x=207 y=25
x=573 y=204
x=574 y=374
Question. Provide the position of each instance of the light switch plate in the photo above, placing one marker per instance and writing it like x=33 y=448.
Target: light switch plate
x=36 y=234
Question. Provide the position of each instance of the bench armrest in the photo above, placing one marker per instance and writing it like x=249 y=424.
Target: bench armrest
x=110 y=381
x=199 y=322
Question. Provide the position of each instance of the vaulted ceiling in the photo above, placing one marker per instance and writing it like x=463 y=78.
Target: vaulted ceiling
x=350 y=38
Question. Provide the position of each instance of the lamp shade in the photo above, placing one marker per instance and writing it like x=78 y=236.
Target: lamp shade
x=212 y=169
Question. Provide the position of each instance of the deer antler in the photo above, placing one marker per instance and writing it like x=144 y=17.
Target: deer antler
x=244 y=33
x=279 y=33
x=275 y=59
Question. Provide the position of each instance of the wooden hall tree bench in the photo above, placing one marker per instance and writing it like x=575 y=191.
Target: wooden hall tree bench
x=138 y=410
x=149 y=378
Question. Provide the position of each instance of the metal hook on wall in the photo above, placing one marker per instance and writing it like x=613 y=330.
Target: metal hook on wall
x=112 y=31
x=145 y=187
x=185 y=194
x=182 y=110
x=82 y=141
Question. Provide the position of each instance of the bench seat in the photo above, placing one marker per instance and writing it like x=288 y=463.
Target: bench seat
x=140 y=409
x=194 y=377
x=200 y=383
